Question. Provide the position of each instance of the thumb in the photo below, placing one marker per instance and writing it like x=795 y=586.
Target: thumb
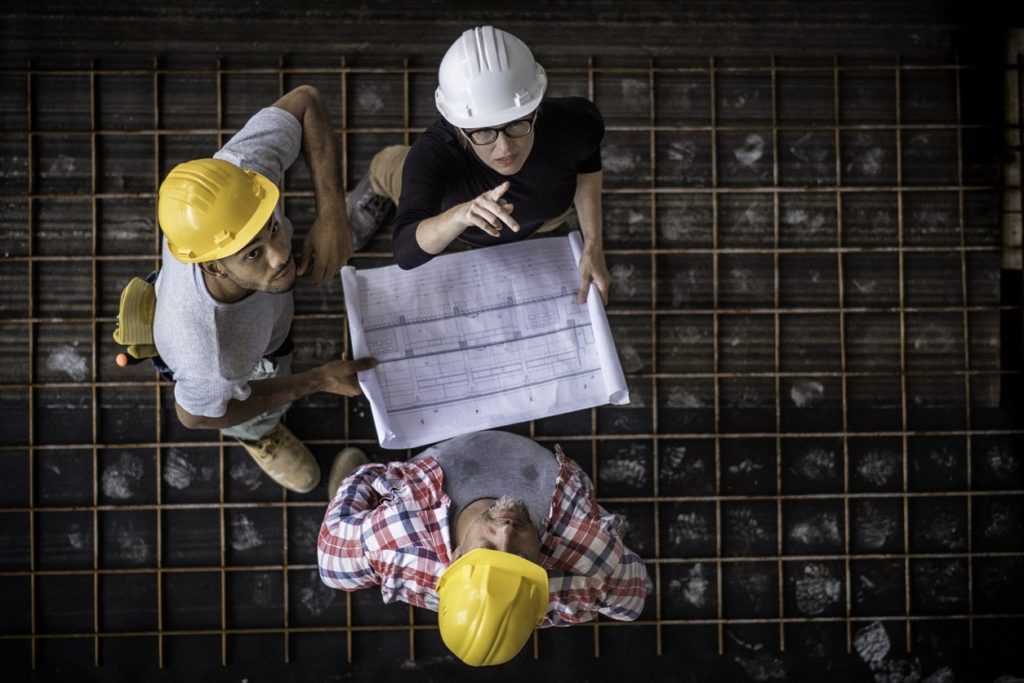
x=307 y=251
x=497 y=192
x=361 y=364
x=584 y=288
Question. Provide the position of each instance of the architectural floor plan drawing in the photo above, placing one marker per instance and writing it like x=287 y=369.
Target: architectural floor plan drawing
x=480 y=339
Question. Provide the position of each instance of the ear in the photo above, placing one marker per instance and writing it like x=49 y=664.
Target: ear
x=457 y=553
x=212 y=268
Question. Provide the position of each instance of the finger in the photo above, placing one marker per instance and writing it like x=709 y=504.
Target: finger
x=499 y=212
x=505 y=218
x=489 y=229
x=581 y=298
x=345 y=355
x=496 y=193
x=489 y=213
x=315 y=268
x=333 y=266
x=604 y=284
x=323 y=271
x=326 y=266
x=344 y=256
x=501 y=209
x=484 y=224
x=362 y=364
x=307 y=252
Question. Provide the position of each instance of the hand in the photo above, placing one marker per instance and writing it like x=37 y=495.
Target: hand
x=593 y=269
x=489 y=211
x=339 y=376
x=328 y=246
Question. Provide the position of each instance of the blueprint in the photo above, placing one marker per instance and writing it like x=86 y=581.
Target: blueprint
x=480 y=339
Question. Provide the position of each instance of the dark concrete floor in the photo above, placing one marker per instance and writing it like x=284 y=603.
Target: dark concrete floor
x=823 y=464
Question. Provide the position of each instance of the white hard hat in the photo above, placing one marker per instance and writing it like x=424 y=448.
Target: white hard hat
x=488 y=77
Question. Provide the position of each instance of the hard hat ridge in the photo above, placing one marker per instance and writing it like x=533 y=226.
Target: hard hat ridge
x=485 y=47
x=199 y=195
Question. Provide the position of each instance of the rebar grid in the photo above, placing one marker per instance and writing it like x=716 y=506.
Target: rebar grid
x=670 y=414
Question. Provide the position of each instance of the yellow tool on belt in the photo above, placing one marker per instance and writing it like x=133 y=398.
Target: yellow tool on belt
x=135 y=321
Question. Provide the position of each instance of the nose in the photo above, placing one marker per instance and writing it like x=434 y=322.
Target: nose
x=277 y=254
x=503 y=535
x=502 y=144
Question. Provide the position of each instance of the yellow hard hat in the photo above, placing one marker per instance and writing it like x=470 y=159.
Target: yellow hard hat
x=210 y=208
x=489 y=601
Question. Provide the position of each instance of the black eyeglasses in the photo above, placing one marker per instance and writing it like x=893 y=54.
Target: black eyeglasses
x=517 y=129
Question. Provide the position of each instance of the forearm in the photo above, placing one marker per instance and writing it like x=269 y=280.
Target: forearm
x=588 y=209
x=405 y=249
x=577 y=598
x=328 y=244
x=488 y=212
x=336 y=377
x=626 y=589
x=340 y=554
x=320 y=148
x=266 y=394
x=433 y=235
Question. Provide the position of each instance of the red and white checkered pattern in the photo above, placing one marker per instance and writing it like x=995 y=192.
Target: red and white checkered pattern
x=388 y=526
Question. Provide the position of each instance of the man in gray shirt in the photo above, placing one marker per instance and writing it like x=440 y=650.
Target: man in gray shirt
x=224 y=303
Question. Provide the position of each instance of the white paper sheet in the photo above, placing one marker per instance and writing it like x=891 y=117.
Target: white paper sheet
x=480 y=339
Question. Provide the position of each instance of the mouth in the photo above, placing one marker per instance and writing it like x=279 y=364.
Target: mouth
x=288 y=272
x=506 y=161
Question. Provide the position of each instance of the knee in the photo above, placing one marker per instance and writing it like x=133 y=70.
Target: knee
x=389 y=157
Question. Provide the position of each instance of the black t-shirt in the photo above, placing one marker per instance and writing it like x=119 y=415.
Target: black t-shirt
x=440 y=173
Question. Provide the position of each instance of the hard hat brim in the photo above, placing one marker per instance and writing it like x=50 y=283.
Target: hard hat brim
x=490 y=120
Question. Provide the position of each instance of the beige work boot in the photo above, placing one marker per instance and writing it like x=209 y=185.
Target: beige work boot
x=345 y=464
x=285 y=459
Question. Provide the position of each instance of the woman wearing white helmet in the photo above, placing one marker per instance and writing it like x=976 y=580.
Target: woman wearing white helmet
x=499 y=167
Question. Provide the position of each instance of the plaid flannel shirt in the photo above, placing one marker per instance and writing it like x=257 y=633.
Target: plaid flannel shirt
x=388 y=526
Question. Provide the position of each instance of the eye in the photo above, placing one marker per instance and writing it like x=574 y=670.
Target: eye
x=253 y=255
x=274 y=227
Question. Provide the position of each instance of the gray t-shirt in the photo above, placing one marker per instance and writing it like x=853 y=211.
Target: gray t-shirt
x=494 y=464
x=213 y=347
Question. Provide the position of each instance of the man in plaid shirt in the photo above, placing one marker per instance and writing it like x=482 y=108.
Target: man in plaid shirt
x=399 y=526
